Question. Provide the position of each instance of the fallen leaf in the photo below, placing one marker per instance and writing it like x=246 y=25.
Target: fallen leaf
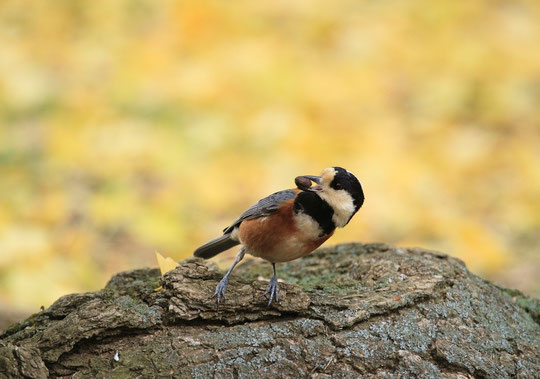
x=165 y=264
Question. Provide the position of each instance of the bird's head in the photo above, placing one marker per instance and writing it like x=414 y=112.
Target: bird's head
x=341 y=190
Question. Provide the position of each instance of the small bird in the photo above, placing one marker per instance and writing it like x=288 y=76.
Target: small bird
x=289 y=224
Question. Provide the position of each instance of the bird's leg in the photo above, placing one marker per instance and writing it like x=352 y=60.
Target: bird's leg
x=272 y=288
x=222 y=286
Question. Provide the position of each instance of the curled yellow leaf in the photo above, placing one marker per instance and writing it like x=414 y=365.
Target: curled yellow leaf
x=165 y=264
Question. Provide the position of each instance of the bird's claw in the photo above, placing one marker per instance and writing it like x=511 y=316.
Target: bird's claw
x=272 y=290
x=220 y=290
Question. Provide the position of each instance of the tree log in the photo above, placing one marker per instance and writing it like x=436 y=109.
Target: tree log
x=350 y=310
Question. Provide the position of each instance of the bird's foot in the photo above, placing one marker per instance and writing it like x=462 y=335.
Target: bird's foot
x=220 y=289
x=272 y=290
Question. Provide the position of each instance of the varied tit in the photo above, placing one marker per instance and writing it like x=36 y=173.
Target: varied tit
x=289 y=224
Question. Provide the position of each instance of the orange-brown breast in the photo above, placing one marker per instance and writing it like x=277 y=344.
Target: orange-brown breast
x=276 y=238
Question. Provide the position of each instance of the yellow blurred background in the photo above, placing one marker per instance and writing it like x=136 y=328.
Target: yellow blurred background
x=134 y=126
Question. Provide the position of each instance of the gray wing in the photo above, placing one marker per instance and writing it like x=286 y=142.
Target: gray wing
x=263 y=207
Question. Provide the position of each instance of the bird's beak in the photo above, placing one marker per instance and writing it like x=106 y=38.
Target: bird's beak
x=315 y=179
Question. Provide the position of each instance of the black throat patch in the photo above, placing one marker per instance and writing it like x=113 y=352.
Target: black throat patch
x=312 y=205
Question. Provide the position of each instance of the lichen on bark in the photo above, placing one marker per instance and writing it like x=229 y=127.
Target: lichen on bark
x=350 y=310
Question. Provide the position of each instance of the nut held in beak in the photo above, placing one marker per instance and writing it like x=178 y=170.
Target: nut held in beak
x=302 y=183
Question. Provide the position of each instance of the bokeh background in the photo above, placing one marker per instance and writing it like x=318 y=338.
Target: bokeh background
x=134 y=126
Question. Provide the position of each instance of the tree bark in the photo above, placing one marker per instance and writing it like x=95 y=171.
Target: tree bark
x=345 y=311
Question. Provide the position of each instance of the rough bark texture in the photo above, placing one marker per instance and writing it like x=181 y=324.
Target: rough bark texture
x=345 y=311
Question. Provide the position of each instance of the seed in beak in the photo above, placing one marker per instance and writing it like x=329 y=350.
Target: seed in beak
x=303 y=183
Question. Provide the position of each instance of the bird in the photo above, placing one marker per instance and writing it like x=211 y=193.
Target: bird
x=289 y=224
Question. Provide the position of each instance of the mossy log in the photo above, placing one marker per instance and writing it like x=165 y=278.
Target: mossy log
x=351 y=310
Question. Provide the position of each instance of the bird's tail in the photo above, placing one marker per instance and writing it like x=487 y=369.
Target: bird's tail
x=216 y=246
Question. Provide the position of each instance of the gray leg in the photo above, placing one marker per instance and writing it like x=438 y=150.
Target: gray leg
x=272 y=288
x=222 y=286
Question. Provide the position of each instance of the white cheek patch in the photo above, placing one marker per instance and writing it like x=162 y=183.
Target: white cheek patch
x=341 y=202
x=328 y=175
